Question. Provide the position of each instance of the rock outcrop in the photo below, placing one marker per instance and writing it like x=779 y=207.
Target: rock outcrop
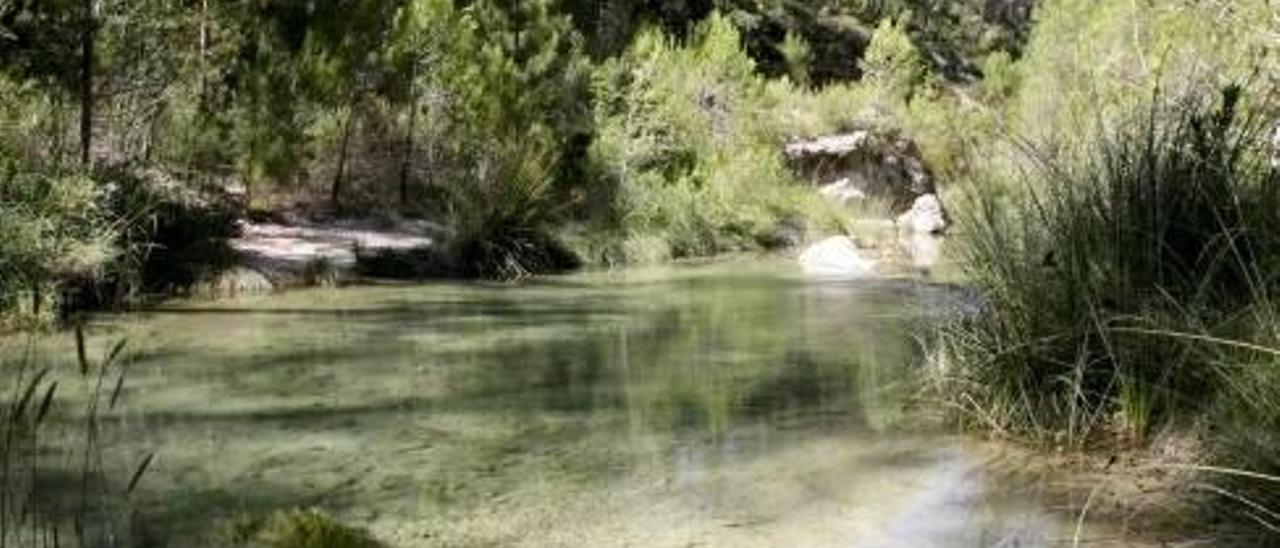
x=862 y=164
x=865 y=165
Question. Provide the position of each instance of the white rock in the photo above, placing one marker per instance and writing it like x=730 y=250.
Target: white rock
x=926 y=216
x=1275 y=147
x=925 y=250
x=830 y=145
x=837 y=256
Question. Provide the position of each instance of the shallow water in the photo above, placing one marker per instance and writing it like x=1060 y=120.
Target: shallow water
x=734 y=404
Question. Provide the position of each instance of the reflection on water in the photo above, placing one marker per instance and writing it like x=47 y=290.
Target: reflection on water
x=727 y=405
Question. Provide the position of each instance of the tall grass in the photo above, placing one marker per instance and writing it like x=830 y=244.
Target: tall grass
x=504 y=216
x=54 y=485
x=1129 y=291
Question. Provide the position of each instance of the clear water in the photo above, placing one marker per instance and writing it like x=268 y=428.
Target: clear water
x=735 y=404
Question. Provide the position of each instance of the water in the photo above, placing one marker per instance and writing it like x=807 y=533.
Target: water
x=735 y=404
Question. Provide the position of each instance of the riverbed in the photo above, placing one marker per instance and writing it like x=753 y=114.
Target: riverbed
x=730 y=404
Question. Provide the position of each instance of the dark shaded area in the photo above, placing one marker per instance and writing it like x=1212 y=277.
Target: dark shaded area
x=953 y=34
x=172 y=237
x=837 y=42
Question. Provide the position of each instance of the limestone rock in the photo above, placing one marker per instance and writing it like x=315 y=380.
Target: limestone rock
x=864 y=163
x=926 y=216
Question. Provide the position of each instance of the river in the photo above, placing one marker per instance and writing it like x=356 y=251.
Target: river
x=733 y=404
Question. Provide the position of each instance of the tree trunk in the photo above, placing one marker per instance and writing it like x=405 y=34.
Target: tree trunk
x=37 y=295
x=88 y=35
x=204 y=46
x=406 y=161
x=335 y=192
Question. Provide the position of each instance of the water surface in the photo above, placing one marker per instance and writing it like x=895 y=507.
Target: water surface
x=734 y=404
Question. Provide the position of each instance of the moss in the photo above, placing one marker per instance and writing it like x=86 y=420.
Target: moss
x=299 y=529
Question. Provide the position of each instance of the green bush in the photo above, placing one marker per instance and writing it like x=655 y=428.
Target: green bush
x=799 y=57
x=685 y=152
x=893 y=62
x=1129 y=290
x=75 y=241
x=55 y=232
x=1089 y=63
x=503 y=224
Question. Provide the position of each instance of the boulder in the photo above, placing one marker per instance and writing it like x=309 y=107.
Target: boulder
x=923 y=250
x=926 y=216
x=837 y=256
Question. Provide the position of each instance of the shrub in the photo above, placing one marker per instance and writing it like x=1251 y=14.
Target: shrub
x=893 y=62
x=685 y=151
x=504 y=218
x=54 y=233
x=1088 y=63
x=171 y=236
x=1132 y=290
x=799 y=58
x=1160 y=227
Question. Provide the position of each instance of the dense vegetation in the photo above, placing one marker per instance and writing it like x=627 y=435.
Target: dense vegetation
x=542 y=134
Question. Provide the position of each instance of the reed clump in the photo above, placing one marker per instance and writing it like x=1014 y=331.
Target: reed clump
x=1129 y=291
x=56 y=485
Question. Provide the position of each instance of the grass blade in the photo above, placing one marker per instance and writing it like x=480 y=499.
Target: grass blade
x=115 y=392
x=46 y=402
x=20 y=408
x=81 y=356
x=137 y=474
x=115 y=352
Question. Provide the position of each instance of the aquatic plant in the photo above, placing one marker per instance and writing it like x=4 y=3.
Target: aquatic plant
x=309 y=528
